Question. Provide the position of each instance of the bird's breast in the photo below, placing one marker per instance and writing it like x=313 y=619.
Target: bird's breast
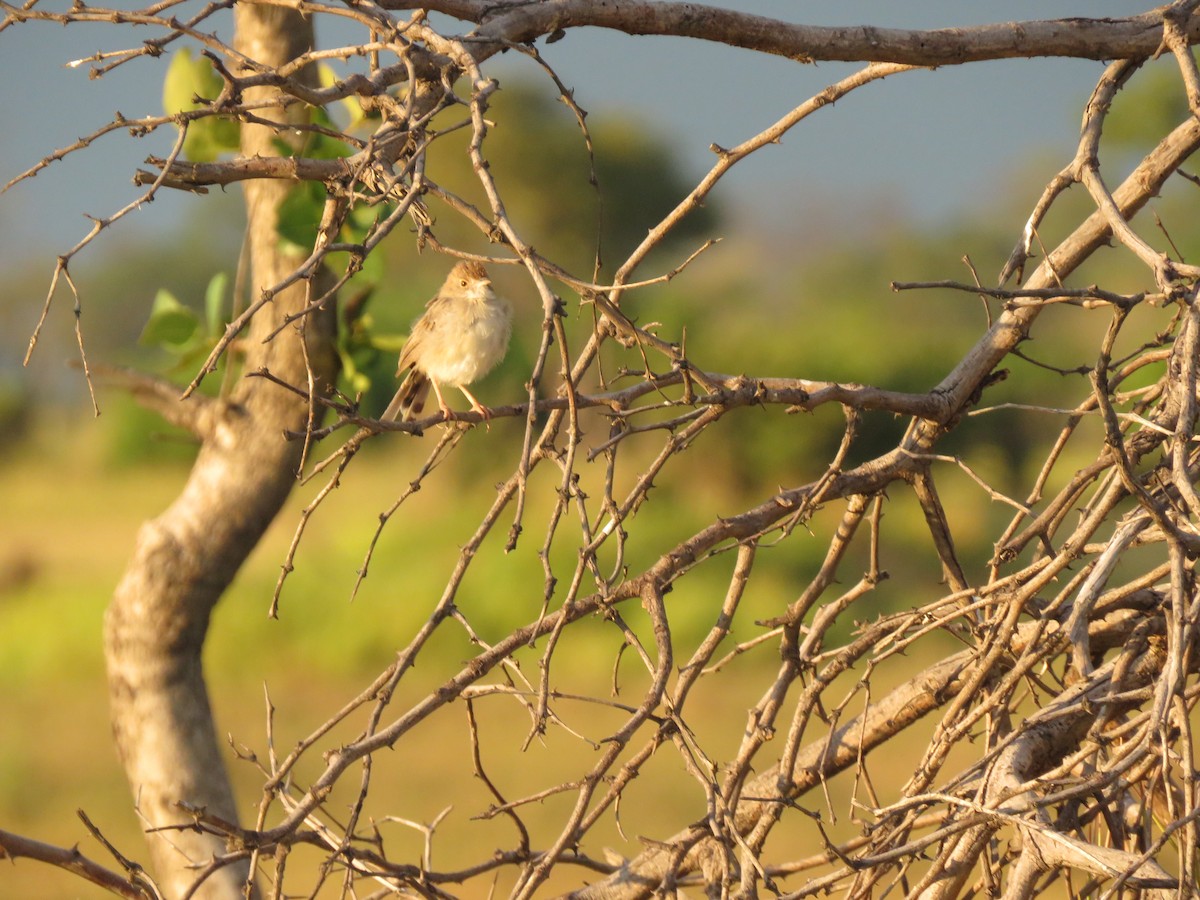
x=474 y=351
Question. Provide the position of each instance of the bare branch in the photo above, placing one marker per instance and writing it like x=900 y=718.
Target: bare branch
x=135 y=887
x=512 y=21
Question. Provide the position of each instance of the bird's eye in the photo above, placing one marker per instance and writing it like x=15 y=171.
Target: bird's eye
x=463 y=282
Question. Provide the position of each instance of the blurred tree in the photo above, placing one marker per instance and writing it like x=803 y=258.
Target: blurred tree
x=1063 y=680
x=548 y=169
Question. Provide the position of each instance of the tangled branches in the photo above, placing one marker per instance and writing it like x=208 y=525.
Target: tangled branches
x=1052 y=744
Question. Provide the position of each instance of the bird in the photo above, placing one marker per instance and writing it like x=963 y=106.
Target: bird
x=462 y=335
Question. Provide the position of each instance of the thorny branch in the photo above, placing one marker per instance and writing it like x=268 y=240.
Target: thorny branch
x=1059 y=742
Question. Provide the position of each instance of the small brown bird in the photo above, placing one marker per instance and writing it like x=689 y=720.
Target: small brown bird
x=462 y=335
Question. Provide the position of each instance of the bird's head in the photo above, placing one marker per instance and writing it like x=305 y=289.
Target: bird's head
x=472 y=279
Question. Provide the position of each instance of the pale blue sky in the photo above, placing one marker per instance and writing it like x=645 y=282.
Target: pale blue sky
x=930 y=144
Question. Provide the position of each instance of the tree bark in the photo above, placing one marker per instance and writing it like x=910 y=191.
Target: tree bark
x=186 y=557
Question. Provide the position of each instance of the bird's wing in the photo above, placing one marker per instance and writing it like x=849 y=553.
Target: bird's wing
x=412 y=347
x=421 y=330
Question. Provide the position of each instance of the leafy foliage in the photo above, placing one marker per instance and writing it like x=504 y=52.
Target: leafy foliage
x=180 y=331
x=190 y=84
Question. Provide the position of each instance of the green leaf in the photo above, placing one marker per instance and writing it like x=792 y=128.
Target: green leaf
x=353 y=107
x=388 y=343
x=171 y=323
x=187 y=79
x=358 y=381
x=363 y=217
x=282 y=147
x=322 y=146
x=214 y=305
x=313 y=145
x=226 y=133
x=371 y=272
x=299 y=215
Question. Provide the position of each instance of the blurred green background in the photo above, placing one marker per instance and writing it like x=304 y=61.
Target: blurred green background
x=803 y=294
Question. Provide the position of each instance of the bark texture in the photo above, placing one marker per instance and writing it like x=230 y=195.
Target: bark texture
x=186 y=557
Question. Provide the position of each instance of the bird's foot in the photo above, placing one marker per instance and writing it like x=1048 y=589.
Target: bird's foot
x=485 y=413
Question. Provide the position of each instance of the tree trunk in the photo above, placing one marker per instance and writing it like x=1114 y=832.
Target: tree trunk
x=186 y=557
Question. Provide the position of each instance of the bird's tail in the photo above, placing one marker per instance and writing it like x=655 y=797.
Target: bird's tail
x=410 y=398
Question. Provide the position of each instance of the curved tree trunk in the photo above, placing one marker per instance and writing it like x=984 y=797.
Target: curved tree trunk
x=186 y=557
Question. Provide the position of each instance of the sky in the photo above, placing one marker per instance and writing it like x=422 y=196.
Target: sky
x=927 y=145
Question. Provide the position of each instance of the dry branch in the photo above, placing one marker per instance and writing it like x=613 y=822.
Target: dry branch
x=1061 y=720
x=513 y=21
